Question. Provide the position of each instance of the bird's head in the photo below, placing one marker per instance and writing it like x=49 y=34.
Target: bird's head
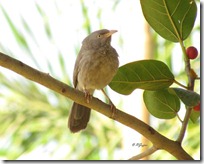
x=98 y=39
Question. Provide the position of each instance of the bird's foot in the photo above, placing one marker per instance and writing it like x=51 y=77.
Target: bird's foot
x=88 y=96
x=113 y=110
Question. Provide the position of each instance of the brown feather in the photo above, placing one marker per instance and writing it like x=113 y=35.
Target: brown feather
x=78 y=118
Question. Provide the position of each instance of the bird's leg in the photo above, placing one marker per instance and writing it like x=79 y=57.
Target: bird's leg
x=88 y=96
x=113 y=108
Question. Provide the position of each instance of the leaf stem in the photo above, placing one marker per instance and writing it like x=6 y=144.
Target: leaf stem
x=179 y=118
x=180 y=84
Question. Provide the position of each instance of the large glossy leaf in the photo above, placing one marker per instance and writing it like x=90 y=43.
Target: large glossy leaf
x=162 y=103
x=144 y=74
x=172 y=19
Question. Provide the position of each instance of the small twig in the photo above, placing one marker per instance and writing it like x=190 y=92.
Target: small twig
x=184 y=125
x=144 y=154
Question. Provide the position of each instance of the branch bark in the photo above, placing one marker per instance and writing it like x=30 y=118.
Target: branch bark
x=159 y=141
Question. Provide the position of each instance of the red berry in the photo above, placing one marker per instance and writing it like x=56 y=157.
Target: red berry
x=197 y=107
x=192 y=52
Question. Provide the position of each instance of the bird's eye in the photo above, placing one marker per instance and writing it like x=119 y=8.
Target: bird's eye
x=99 y=36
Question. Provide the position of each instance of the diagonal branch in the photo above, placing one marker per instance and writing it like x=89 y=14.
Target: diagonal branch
x=158 y=140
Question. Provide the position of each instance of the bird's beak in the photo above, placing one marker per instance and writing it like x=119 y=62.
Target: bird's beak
x=110 y=33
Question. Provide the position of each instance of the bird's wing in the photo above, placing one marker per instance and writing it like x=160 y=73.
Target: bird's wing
x=83 y=54
x=77 y=66
x=76 y=69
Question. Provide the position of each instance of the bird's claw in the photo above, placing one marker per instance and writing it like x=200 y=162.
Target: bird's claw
x=113 y=110
x=88 y=96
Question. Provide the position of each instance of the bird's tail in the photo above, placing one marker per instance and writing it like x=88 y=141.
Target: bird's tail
x=78 y=118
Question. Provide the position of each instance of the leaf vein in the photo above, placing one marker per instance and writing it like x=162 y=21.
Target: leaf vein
x=154 y=65
x=176 y=8
x=172 y=22
x=181 y=28
x=157 y=3
x=166 y=104
x=156 y=21
x=146 y=69
x=135 y=74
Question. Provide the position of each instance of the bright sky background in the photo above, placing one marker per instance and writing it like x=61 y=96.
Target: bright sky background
x=67 y=32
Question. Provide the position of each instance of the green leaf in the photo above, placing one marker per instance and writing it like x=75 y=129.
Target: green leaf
x=144 y=74
x=172 y=19
x=161 y=104
x=189 y=98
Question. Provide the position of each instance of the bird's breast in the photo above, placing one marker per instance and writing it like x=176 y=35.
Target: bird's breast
x=97 y=70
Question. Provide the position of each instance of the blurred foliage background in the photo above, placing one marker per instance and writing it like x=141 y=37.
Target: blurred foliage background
x=33 y=119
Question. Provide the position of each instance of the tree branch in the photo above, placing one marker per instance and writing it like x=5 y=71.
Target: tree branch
x=158 y=140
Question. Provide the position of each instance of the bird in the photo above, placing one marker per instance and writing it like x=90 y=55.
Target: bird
x=95 y=66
